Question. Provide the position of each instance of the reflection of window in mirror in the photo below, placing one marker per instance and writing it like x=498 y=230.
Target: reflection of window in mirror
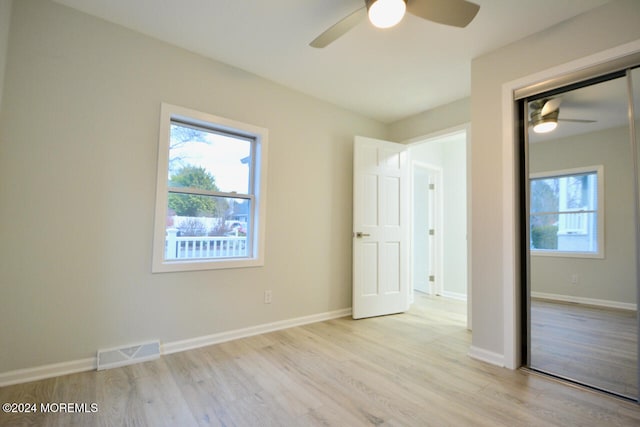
x=566 y=215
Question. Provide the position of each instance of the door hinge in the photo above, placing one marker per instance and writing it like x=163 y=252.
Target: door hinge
x=432 y=232
x=432 y=186
x=432 y=278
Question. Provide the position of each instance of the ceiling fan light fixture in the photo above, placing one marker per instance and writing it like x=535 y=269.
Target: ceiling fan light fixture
x=386 y=13
x=545 y=125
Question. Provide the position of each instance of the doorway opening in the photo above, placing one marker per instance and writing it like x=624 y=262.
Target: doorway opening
x=439 y=220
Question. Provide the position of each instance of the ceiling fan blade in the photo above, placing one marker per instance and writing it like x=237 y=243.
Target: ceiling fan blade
x=457 y=13
x=337 y=30
x=551 y=105
x=577 y=120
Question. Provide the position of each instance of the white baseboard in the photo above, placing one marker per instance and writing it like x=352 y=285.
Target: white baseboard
x=588 y=301
x=221 y=337
x=47 y=371
x=454 y=295
x=20 y=376
x=487 y=356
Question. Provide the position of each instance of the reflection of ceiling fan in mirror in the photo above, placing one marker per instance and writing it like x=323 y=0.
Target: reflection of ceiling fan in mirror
x=387 y=13
x=545 y=115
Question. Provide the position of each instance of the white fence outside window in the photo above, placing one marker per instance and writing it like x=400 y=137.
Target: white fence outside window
x=203 y=247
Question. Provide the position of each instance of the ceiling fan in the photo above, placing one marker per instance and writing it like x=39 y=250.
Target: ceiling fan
x=387 y=13
x=545 y=115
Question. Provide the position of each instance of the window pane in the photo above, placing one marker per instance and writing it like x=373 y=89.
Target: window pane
x=565 y=232
x=578 y=232
x=203 y=159
x=544 y=232
x=564 y=193
x=544 y=195
x=207 y=227
x=577 y=192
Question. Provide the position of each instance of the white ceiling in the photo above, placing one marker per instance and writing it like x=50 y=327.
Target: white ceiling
x=384 y=74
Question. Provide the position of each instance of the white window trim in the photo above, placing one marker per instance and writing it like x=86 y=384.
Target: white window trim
x=599 y=170
x=169 y=112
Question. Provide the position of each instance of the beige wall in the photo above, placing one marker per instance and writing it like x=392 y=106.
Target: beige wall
x=612 y=278
x=432 y=121
x=455 y=220
x=609 y=26
x=77 y=184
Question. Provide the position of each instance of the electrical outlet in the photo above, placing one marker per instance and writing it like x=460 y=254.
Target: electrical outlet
x=574 y=279
x=268 y=296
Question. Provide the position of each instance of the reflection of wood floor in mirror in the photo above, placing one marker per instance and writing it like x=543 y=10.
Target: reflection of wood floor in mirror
x=591 y=345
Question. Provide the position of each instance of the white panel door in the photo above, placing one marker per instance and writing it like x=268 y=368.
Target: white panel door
x=380 y=228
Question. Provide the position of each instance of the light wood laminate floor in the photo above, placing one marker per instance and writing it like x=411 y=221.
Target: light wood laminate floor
x=404 y=370
x=591 y=345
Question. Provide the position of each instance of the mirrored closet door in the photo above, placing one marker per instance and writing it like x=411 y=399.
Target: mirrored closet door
x=581 y=233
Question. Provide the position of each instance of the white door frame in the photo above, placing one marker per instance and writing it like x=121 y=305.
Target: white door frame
x=435 y=288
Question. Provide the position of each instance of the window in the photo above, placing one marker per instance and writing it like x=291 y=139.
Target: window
x=210 y=199
x=566 y=213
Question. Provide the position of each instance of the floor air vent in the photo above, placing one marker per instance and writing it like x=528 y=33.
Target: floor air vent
x=112 y=358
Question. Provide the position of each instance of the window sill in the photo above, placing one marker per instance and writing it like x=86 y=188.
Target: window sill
x=560 y=254
x=200 y=265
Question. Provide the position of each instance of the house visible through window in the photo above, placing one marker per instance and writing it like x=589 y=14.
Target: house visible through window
x=210 y=197
x=566 y=214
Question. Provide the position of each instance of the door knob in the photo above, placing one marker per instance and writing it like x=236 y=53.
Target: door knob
x=360 y=234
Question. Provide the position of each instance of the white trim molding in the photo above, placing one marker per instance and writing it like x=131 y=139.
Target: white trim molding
x=454 y=295
x=20 y=376
x=221 y=337
x=486 y=356
x=587 y=301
